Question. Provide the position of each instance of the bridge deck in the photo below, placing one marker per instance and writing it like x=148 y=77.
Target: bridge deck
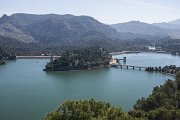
x=133 y=66
x=36 y=57
x=130 y=66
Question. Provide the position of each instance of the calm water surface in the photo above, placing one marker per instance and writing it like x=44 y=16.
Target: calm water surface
x=27 y=92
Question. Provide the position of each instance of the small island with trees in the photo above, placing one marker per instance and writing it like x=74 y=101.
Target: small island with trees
x=80 y=59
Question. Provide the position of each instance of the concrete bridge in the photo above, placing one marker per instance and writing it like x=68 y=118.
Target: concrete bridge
x=117 y=63
x=37 y=57
x=132 y=66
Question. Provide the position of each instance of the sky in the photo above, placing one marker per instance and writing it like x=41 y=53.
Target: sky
x=106 y=11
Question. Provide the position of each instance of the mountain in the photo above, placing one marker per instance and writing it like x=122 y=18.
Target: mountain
x=165 y=25
x=31 y=33
x=51 y=28
x=20 y=48
x=36 y=34
x=171 y=28
x=140 y=28
x=10 y=28
x=175 y=22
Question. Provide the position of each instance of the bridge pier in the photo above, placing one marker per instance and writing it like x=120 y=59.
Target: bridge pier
x=121 y=66
x=131 y=66
x=124 y=60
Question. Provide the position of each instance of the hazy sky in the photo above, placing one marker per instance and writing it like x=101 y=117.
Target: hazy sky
x=107 y=11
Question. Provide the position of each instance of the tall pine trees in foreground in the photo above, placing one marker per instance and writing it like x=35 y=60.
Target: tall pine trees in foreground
x=88 y=110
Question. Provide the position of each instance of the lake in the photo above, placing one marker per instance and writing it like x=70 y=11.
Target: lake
x=27 y=92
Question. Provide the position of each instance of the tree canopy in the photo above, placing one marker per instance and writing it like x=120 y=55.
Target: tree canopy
x=81 y=59
x=88 y=110
x=5 y=54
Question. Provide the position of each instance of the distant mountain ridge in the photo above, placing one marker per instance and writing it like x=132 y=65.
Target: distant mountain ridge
x=137 y=27
x=52 y=31
x=62 y=32
x=172 y=28
x=9 y=27
x=160 y=30
x=51 y=27
x=175 y=21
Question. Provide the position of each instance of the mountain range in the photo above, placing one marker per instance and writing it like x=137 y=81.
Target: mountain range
x=138 y=27
x=172 y=28
x=69 y=31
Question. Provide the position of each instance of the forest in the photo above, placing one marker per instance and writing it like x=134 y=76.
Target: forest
x=170 y=45
x=6 y=54
x=80 y=59
x=169 y=69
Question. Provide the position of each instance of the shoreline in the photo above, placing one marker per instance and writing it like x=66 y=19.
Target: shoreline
x=92 y=69
x=120 y=53
x=111 y=53
x=86 y=70
x=123 y=52
x=174 y=75
x=36 y=57
x=2 y=63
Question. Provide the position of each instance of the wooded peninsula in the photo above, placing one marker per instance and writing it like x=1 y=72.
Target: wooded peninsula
x=81 y=59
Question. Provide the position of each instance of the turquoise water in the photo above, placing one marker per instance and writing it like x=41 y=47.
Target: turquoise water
x=150 y=59
x=27 y=92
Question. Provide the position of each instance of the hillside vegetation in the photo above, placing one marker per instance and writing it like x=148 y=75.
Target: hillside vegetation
x=81 y=59
x=6 y=54
x=31 y=34
x=88 y=110
x=170 y=45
